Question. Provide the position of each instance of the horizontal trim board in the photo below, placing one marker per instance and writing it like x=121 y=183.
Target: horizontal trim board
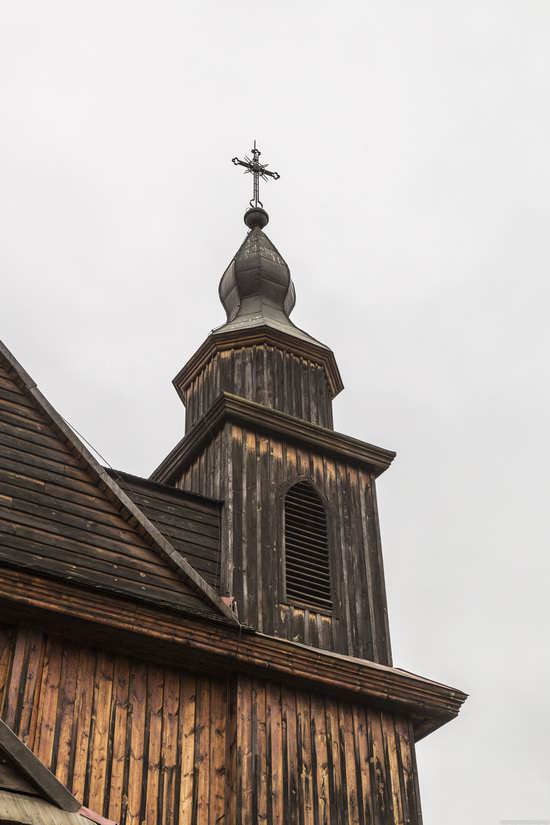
x=195 y=643
x=257 y=417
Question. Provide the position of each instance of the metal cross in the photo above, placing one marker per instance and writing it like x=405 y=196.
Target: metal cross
x=258 y=170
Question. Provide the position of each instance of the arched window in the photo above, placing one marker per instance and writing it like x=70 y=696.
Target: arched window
x=307 y=563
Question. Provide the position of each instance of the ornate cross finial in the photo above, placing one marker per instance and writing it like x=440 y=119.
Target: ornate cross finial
x=258 y=170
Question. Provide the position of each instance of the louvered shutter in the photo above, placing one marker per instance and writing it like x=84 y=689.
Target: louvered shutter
x=307 y=563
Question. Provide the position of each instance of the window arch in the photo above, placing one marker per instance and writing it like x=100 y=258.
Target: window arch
x=307 y=562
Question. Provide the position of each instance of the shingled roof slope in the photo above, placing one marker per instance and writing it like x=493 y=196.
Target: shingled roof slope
x=189 y=521
x=61 y=513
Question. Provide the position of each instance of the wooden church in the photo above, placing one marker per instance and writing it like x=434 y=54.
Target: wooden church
x=209 y=645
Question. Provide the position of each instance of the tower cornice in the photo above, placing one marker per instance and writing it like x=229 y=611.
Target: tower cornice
x=233 y=408
x=257 y=336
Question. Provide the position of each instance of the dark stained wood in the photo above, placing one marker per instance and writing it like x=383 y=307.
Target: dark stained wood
x=124 y=756
x=191 y=523
x=222 y=360
x=55 y=518
x=252 y=480
x=278 y=379
x=149 y=715
x=303 y=760
x=217 y=649
x=251 y=415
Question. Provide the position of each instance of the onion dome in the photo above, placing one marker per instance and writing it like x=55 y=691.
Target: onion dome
x=256 y=288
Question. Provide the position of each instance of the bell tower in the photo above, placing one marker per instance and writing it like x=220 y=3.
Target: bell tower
x=210 y=645
x=301 y=555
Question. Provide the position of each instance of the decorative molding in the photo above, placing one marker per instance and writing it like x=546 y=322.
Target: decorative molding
x=257 y=336
x=223 y=649
x=239 y=410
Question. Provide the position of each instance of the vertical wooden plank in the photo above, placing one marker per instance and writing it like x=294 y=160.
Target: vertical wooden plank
x=65 y=717
x=227 y=492
x=29 y=691
x=96 y=780
x=7 y=644
x=362 y=631
x=404 y=762
x=393 y=777
x=337 y=813
x=188 y=693
x=350 y=777
x=364 y=495
x=382 y=806
x=364 y=789
x=135 y=736
x=276 y=463
x=153 y=742
x=170 y=727
x=260 y=395
x=377 y=573
x=245 y=777
x=231 y=750
x=274 y=746
x=217 y=768
x=249 y=377
x=120 y=742
x=202 y=751
x=416 y=808
x=266 y=535
x=49 y=695
x=14 y=679
x=303 y=730
x=319 y=761
x=290 y=757
x=237 y=515
x=251 y=590
x=82 y=721
x=260 y=749
x=344 y=527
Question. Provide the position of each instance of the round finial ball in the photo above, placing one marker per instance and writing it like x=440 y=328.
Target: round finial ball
x=256 y=217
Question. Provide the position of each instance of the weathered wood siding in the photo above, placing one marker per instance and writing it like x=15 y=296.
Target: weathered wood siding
x=249 y=471
x=266 y=375
x=189 y=522
x=134 y=741
x=300 y=759
x=54 y=517
x=139 y=742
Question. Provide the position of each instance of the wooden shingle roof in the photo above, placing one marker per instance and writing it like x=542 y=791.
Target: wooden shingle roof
x=189 y=521
x=63 y=515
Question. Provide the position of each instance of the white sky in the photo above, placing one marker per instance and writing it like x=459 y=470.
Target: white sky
x=413 y=141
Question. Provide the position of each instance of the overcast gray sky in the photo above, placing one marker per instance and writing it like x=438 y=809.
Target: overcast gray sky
x=412 y=139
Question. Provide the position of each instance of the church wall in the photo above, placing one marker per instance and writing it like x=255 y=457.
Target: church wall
x=133 y=741
x=266 y=375
x=249 y=471
x=140 y=742
x=299 y=757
